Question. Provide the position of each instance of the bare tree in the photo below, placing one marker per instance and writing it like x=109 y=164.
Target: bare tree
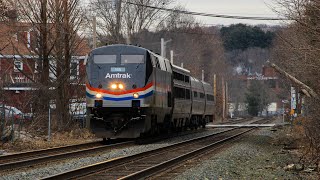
x=134 y=17
x=7 y=10
x=175 y=20
x=297 y=53
x=67 y=23
x=55 y=24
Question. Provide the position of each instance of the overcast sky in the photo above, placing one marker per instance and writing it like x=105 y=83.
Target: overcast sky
x=231 y=7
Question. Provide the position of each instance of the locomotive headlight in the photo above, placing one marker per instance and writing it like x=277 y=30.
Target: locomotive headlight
x=136 y=95
x=98 y=96
x=114 y=86
x=121 y=86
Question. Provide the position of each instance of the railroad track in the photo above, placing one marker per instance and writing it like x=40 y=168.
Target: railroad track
x=31 y=158
x=176 y=169
x=148 y=163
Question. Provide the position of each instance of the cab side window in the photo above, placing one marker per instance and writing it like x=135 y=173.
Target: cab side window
x=155 y=62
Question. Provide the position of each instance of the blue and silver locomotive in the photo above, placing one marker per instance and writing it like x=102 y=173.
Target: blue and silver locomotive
x=133 y=92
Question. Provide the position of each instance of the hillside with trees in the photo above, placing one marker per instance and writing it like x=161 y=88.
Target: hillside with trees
x=296 y=51
x=247 y=47
x=242 y=37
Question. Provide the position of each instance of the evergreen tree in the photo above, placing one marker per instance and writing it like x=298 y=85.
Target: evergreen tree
x=257 y=98
x=242 y=37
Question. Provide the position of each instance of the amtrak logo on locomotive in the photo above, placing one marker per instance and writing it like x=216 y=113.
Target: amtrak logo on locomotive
x=118 y=75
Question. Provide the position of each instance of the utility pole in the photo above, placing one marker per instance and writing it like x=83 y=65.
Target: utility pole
x=49 y=125
x=215 y=95
x=282 y=111
x=163 y=47
x=215 y=86
x=94 y=32
x=223 y=98
x=284 y=101
x=226 y=99
x=202 y=75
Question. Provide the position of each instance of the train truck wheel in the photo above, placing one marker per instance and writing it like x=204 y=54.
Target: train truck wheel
x=106 y=140
x=153 y=128
x=203 y=124
x=204 y=121
x=167 y=125
x=196 y=124
x=191 y=124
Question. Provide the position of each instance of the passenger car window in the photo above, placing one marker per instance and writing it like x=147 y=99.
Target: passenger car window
x=187 y=79
x=179 y=92
x=105 y=59
x=210 y=97
x=132 y=59
x=188 y=94
x=178 y=76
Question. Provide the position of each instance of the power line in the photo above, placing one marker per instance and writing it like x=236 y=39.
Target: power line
x=193 y=33
x=208 y=14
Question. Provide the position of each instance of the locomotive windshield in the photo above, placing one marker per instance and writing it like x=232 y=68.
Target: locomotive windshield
x=132 y=59
x=118 y=64
x=105 y=59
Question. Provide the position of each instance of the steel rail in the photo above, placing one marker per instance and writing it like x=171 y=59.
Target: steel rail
x=55 y=154
x=170 y=163
x=17 y=156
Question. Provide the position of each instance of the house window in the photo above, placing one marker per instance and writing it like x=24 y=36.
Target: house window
x=18 y=65
x=36 y=66
x=271 y=83
x=15 y=37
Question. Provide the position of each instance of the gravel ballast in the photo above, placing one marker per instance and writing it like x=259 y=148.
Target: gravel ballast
x=56 y=168
x=253 y=157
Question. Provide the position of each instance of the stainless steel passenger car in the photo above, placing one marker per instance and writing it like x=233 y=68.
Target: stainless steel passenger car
x=133 y=92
